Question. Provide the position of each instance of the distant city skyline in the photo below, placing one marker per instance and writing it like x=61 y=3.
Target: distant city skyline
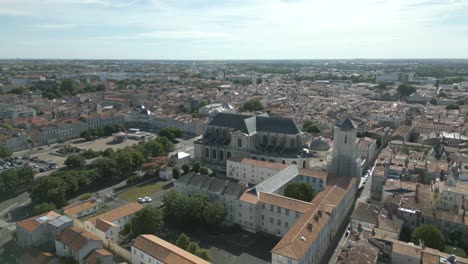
x=233 y=30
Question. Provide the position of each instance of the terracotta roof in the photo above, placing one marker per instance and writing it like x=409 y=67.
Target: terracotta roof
x=260 y=163
x=165 y=251
x=76 y=237
x=92 y=257
x=117 y=213
x=32 y=223
x=79 y=207
x=248 y=197
x=284 y=202
x=313 y=173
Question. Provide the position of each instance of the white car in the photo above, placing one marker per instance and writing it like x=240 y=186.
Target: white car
x=147 y=199
x=141 y=200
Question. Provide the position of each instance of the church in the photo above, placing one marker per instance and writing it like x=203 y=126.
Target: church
x=279 y=140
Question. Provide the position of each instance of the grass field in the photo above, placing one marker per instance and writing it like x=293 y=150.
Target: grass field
x=140 y=191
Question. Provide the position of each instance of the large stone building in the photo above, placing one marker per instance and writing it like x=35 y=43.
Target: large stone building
x=259 y=137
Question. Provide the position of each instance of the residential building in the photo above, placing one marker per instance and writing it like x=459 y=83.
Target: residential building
x=108 y=225
x=150 y=249
x=82 y=208
x=77 y=243
x=40 y=229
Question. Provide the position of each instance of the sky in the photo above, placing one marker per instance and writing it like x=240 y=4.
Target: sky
x=233 y=29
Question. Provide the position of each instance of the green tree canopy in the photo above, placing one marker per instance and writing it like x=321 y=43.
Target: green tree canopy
x=176 y=172
x=182 y=241
x=213 y=214
x=204 y=170
x=148 y=220
x=75 y=162
x=196 y=166
x=186 y=168
x=310 y=127
x=44 y=207
x=253 y=105
x=300 y=191
x=4 y=152
x=406 y=90
x=431 y=236
x=452 y=107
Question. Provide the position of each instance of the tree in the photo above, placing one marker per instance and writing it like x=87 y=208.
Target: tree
x=406 y=90
x=442 y=95
x=9 y=180
x=259 y=81
x=431 y=236
x=198 y=203
x=203 y=253
x=213 y=214
x=4 y=152
x=148 y=220
x=26 y=175
x=204 y=170
x=106 y=168
x=182 y=241
x=196 y=166
x=44 y=207
x=186 y=168
x=176 y=172
x=108 y=152
x=75 y=162
x=301 y=191
x=310 y=127
x=86 y=135
x=253 y=105
x=455 y=250
x=193 y=247
x=49 y=189
x=452 y=107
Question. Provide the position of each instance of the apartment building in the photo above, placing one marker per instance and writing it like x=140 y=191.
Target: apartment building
x=150 y=249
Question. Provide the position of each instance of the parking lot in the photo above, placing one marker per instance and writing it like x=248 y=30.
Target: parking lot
x=38 y=164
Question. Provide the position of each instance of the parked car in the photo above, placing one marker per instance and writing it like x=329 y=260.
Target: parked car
x=141 y=200
x=147 y=199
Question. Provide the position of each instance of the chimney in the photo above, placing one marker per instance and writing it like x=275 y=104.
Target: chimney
x=316 y=218
x=309 y=227
x=320 y=212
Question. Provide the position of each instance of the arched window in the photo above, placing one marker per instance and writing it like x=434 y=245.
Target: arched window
x=284 y=162
x=263 y=159
x=239 y=143
x=228 y=154
x=303 y=164
x=254 y=158
x=292 y=143
x=213 y=154
x=271 y=160
x=265 y=140
x=294 y=162
x=207 y=153
x=221 y=155
x=346 y=139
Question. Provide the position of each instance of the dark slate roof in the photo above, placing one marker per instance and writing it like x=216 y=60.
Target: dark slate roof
x=347 y=124
x=233 y=190
x=186 y=178
x=206 y=184
x=319 y=144
x=368 y=213
x=249 y=124
x=197 y=180
x=217 y=185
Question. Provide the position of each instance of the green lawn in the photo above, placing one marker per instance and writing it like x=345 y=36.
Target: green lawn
x=143 y=190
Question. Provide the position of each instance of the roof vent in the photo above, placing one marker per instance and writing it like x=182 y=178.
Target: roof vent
x=303 y=238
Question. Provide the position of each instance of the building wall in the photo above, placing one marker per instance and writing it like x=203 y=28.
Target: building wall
x=275 y=220
x=64 y=250
x=140 y=257
x=404 y=259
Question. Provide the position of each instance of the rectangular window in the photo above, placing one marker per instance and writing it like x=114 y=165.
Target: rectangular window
x=279 y=222
x=271 y=207
x=263 y=206
x=297 y=215
x=271 y=220
x=279 y=210
x=262 y=217
x=286 y=211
